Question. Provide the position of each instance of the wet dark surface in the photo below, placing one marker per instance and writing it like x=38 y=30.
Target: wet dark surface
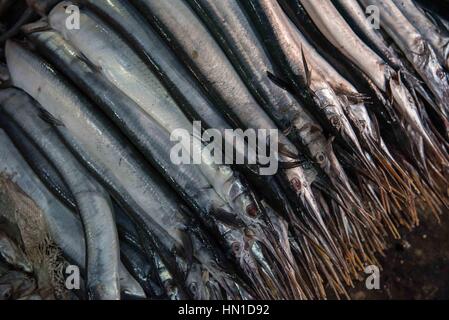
x=416 y=267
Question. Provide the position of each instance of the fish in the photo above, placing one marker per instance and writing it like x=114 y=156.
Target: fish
x=357 y=51
x=417 y=50
x=15 y=167
x=243 y=48
x=197 y=47
x=380 y=107
x=316 y=93
x=144 y=268
x=353 y=13
x=64 y=228
x=73 y=247
x=182 y=86
x=394 y=179
x=177 y=79
x=223 y=180
x=355 y=16
x=46 y=172
x=132 y=182
x=180 y=83
x=92 y=201
x=327 y=18
x=160 y=59
x=163 y=109
x=141 y=269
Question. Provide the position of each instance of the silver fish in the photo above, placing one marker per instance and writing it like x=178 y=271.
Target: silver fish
x=92 y=201
x=417 y=50
x=117 y=165
x=437 y=37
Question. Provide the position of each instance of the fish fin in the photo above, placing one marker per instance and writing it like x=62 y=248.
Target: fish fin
x=306 y=68
x=283 y=84
x=84 y=59
x=389 y=92
x=375 y=123
x=228 y=218
x=49 y=118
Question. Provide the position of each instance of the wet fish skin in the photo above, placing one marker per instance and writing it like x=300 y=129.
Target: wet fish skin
x=357 y=112
x=242 y=47
x=163 y=109
x=246 y=52
x=152 y=140
x=417 y=50
x=141 y=270
x=351 y=46
x=210 y=65
x=92 y=201
x=135 y=185
x=56 y=215
x=266 y=181
x=224 y=90
x=327 y=18
x=357 y=18
x=175 y=76
x=126 y=203
x=286 y=49
x=220 y=70
x=222 y=178
x=132 y=76
x=73 y=246
x=40 y=165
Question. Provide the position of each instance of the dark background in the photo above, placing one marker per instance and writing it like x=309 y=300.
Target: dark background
x=416 y=267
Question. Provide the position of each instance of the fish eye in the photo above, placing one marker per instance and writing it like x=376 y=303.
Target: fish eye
x=297 y=185
x=193 y=287
x=335 y=121
x=320 y=158
x=251 y=210
x=236 y=247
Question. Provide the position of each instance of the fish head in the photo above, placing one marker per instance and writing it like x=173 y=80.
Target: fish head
x=197 y=282
x=244 y=202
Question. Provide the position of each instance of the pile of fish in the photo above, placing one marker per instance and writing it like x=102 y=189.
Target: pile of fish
x=93 y=90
